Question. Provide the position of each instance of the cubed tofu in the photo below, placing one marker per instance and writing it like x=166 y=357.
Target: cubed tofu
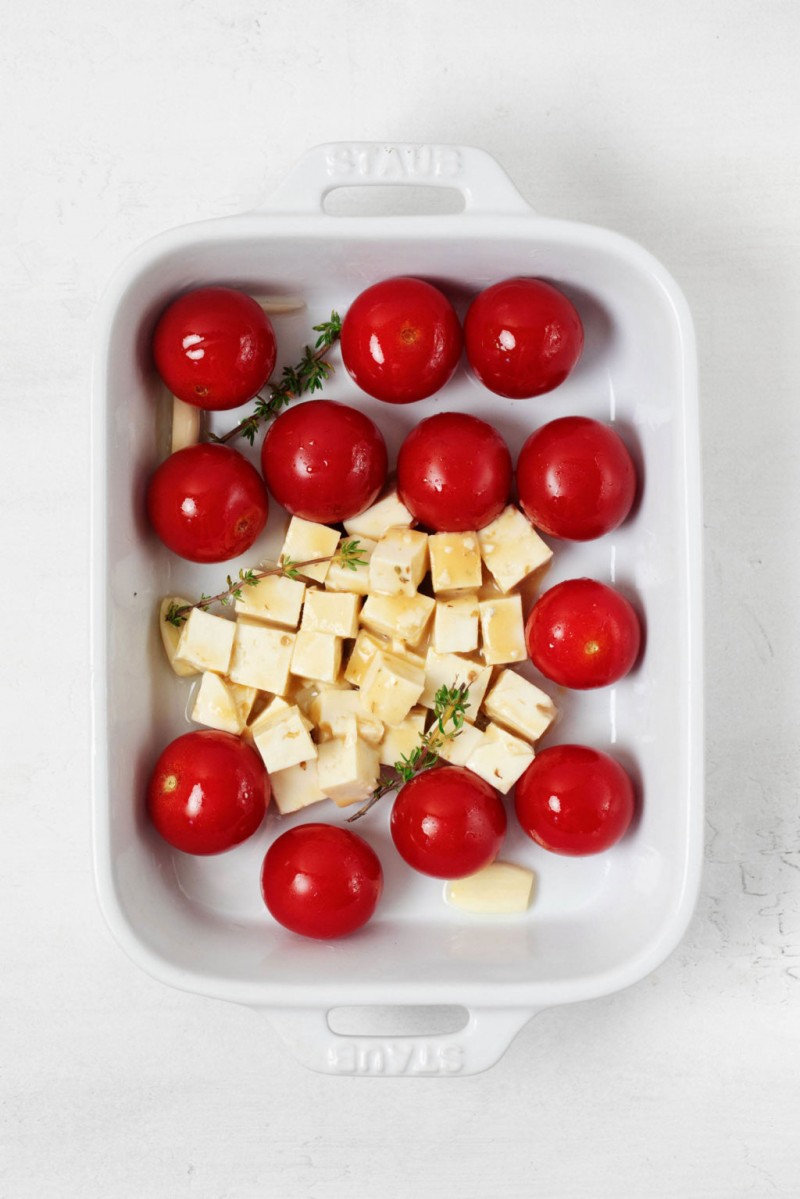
x=455 y=624
x=499 y=889
x=403 y=616
x=261 y=656
x=215 y=707
x=502 y=630
x=296 y=787
x=449 y=670
x=387 y=513
x=331 y=612
x=354 y=579
x=332 y=711
x=455 y=561
x=284 y=741
x=511 y=547
x=402 y=739
x=171 y=634
x=457 y=750
x=500 y=758
x=399 y=562
x=306 y=540
x=317 y=656
x=206 y=642
x=274 y=599
x=347 y=768
x=391 y=688
x=520 y=706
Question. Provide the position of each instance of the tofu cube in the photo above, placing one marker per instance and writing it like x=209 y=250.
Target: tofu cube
x=458 y=750
x=387 y=513
x=215 y=707
x=284 y=740
x=306 y=540
x=518 y=705
x=296 y=787
x=455 y=561
x=499 y=889
x=354 y=579
x=399 y=562
x=331 y=612
x=391 y=688
x=500 y=758
x=205 y=642
x=403 y=616
x=171 y=634
x=503 y=630
x=347 y=768
x=332 y=711
x=455 y=624
x=511 y=548
x=274 y=599
x=448 y=670
x=261 y=656
x=317 y=656
x=402 y=739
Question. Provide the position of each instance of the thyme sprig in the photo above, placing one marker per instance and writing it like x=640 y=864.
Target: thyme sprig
x=308 y=376
x=348 y=554
x=450 y=706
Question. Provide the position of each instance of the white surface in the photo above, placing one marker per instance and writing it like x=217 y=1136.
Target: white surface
x=672 y=123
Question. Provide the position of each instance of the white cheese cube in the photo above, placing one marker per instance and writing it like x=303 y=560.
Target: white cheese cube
x=391 y=688
x=186 y=424
x=503 y=630
x=511 y=547
x=332 y=711
x=261 y=657
x=455 y=561
x=205 y=642
x=399 y=562
x=349 y=578
x=317 y=656
x=215 y=707
x=244 y=698
x=296 y=787
x=306 y=540
x=171 y=634
x=458 y=750
x=519 y=706
x=455 y=624
x=402 y=739
x=284 y=741
x=268 y=715
x=366 y=646
x=403 y=616
x=499 y=889
x=500 y=759
x=275 y=599
x=448 y=670
x=347 y=768
x=387 y=513
x=331 y=612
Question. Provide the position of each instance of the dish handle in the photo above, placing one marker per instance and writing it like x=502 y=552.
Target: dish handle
x=474 y=1048
x=484 y=185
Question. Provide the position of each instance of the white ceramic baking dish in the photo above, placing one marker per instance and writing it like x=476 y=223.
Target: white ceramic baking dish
x=597 y=924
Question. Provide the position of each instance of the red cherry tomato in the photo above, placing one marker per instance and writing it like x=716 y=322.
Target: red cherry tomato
x=321 y=881
x=448 y=822
x=583 y=634
x=207 y=503
x=522 y=337
x=214 y=348
x=575 y=478
x=454 y=472
x=574 y=800
x=324 y=461
x=401 y=340
x=208 y=792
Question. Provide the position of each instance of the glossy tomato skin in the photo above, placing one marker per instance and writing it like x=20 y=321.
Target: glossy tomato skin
x=454 y=472
x=583 y=634
x=321 y=881
x=401 y=340
x=522 y=337
x=324 y=461
x=208 y=792
x=575 y=478
x=575 y=800
x=448 y=822
x=207 y=503
x=214 y=348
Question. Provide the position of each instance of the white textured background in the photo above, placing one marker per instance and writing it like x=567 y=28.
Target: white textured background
x=676 y=123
